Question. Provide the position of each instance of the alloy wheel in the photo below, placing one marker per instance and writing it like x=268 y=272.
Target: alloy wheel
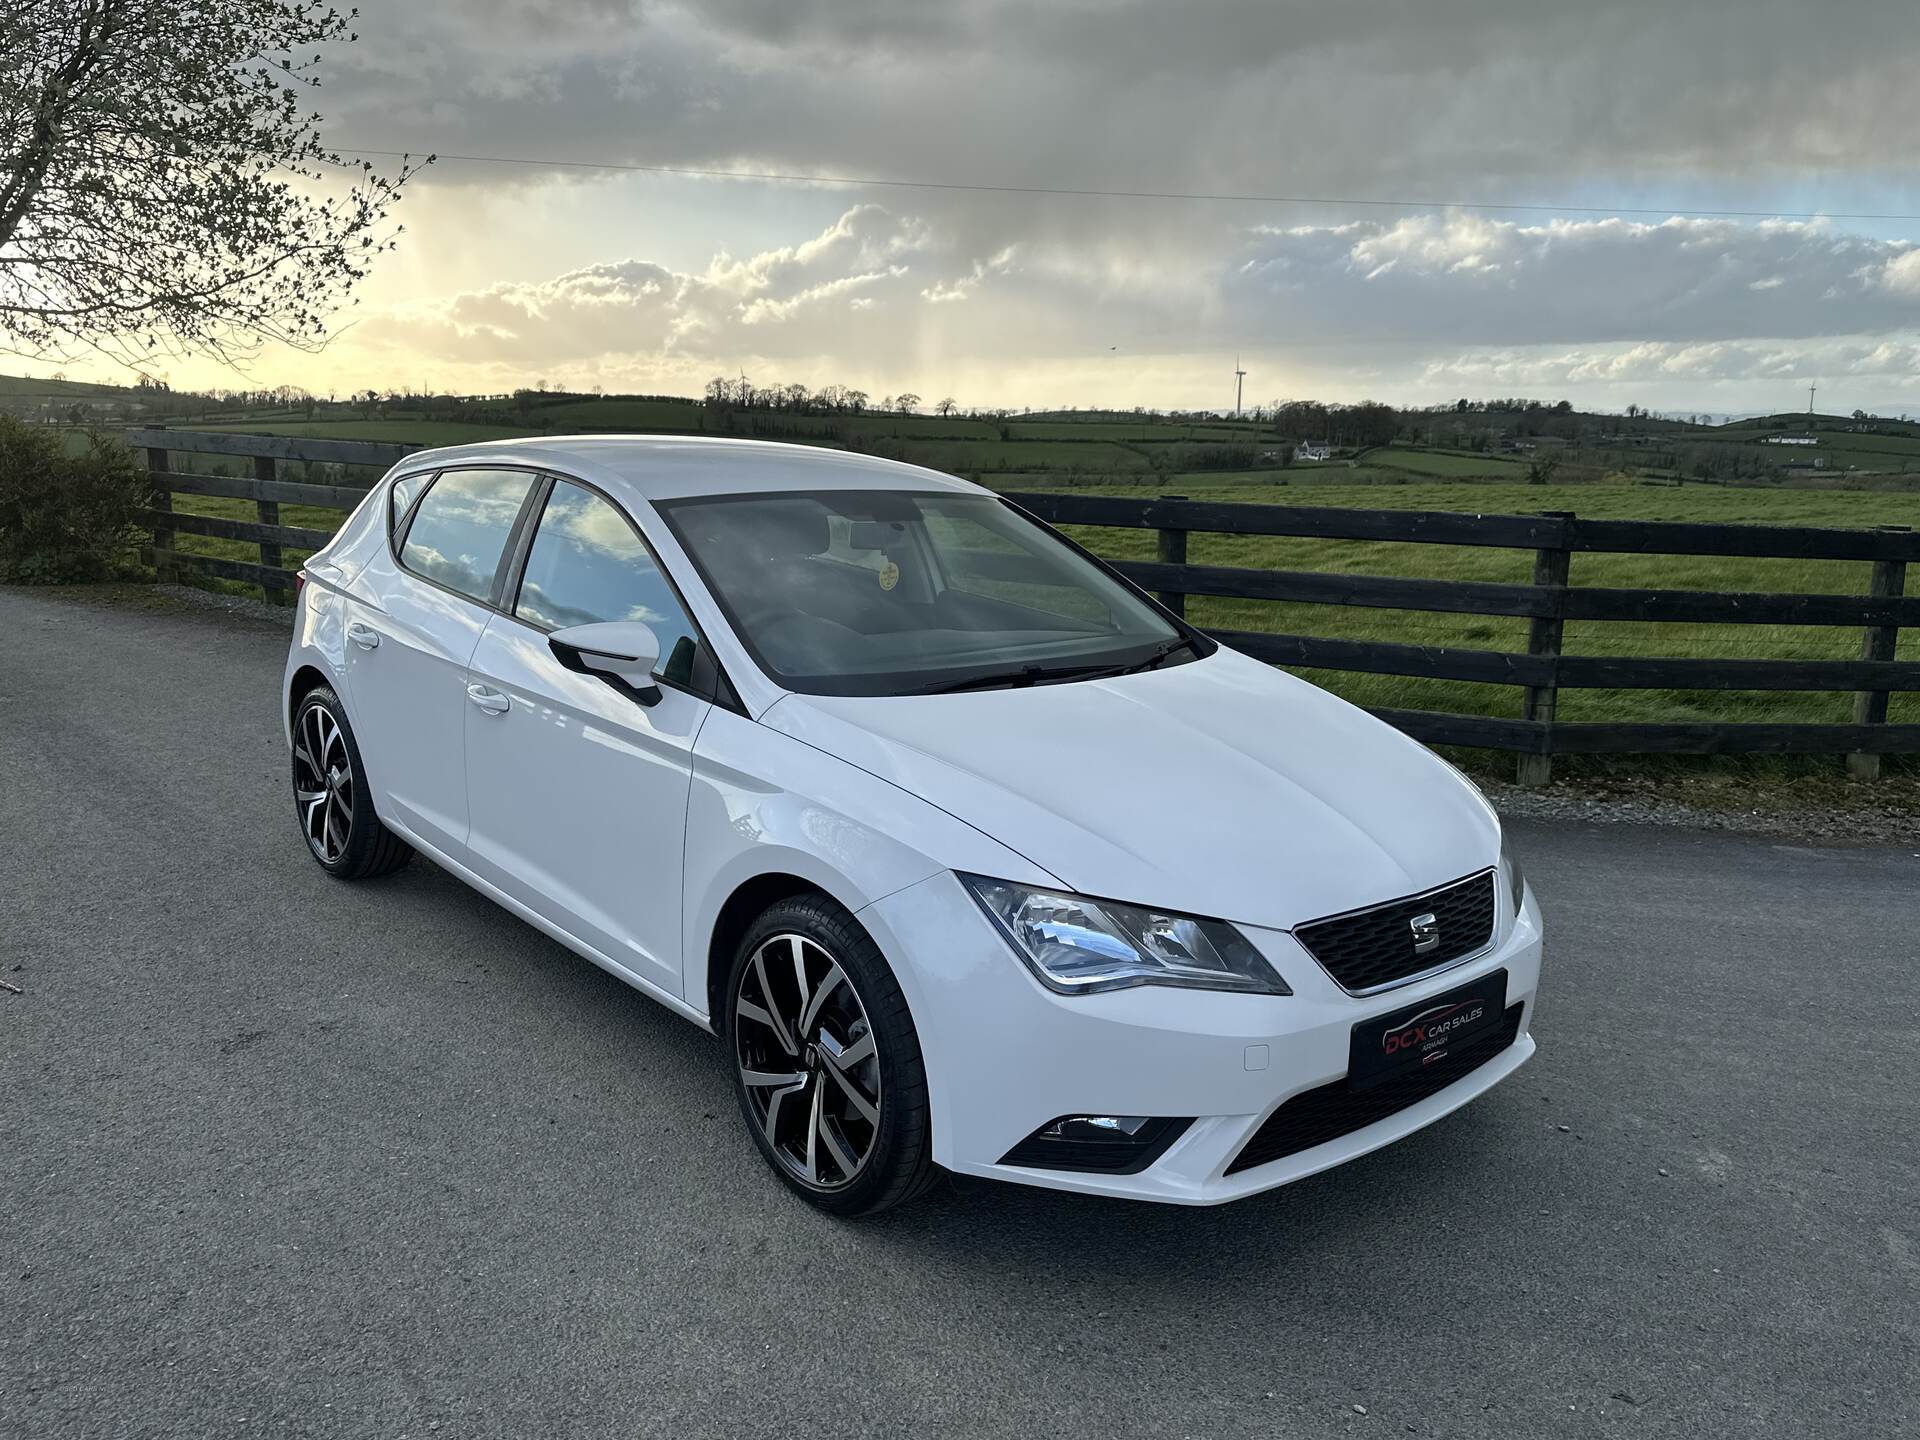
x=323 y=788
x=808 y=1061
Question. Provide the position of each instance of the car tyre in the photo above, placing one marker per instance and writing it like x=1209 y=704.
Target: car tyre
x=826 y=1061
x=330 y=801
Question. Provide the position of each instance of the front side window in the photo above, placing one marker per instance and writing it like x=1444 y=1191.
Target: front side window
x=588 y=564
x=881 y=593
x=460 y=528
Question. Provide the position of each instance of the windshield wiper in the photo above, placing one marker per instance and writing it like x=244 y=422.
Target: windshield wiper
x=1026 y=675
x=1012 y=679
x=1161 y=653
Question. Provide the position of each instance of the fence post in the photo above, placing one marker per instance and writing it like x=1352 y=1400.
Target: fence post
x=1173 y=551
x=1877 y=642
x=1550 y=567
x=265 y=468
x=157 y=467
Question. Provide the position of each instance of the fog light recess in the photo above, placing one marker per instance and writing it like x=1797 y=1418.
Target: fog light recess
x=1112 y=1144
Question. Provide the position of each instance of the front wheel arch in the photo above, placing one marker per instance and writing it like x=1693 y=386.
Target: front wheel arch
x=751 y=899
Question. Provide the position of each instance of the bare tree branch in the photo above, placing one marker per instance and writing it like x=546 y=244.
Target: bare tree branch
x=163 y=186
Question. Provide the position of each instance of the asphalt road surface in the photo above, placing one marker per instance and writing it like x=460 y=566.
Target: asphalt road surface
x=284 y=1156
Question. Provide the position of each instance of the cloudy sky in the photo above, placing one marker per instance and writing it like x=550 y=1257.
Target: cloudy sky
x=1632 y=120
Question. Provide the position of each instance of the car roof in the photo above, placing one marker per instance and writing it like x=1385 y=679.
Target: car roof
x=671 y=467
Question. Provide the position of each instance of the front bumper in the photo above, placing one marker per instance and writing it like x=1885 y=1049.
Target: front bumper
x=1005 y=1055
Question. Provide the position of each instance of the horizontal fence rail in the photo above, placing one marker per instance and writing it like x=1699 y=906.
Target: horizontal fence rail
x=263 y=486
x=1547 y=604
x=377 y=453
x=1542 y=671
x=1449 y=527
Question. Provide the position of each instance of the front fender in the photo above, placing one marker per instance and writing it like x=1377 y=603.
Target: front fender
x=763 y=803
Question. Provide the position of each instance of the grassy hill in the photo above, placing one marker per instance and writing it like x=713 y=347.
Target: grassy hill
x=15 y=386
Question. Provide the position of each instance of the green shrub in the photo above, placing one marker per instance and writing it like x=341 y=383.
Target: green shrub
x=66 y=517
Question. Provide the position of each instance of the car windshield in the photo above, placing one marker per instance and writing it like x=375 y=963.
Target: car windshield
x=894 y=593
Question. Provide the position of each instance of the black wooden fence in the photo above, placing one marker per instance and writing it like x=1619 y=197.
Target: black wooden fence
x=1547 y=603
x=264 y=487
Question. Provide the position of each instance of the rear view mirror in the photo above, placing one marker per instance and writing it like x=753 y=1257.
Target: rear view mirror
x=623 y=650
x=874 y=534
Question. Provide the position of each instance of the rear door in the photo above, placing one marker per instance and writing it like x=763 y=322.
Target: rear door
x=577 y=793
x=407 y=654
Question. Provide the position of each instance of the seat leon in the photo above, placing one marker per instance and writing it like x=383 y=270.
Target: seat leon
x=972 y=855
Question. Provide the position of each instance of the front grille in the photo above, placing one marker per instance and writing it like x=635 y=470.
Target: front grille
x=1372 y=948
x=1314 y=1117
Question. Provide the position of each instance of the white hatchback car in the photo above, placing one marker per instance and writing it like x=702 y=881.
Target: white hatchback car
x=974 y=855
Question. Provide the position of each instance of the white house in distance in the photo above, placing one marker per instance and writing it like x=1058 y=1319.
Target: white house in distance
x=1791 y=440
x=1307 y=450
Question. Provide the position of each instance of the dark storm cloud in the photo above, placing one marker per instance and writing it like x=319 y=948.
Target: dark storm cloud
x=1364 y=97
x=1721 y=103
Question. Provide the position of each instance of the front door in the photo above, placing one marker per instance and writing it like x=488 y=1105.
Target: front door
x=576 y=792
x=407 y=656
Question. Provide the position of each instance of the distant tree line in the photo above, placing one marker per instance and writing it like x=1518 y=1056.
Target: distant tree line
x=724 y=393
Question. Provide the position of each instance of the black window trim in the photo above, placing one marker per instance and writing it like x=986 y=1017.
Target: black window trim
x=397 y=539
x=708 y=670
x=397 y=525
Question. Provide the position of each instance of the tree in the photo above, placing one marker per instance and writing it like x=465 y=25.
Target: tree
x=945 y=407
x=163 y=186
x=906 y=402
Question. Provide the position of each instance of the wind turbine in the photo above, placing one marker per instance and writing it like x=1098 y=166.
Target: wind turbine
x=1239 y=385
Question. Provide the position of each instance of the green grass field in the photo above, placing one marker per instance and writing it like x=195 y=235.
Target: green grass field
x=1445 y=463
x=1391 y=479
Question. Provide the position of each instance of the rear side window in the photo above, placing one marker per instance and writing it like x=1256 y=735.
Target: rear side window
x=588 y=564
x=405 y=491
x=460 y=528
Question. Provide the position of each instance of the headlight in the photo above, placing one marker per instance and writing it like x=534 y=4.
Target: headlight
x=1076 y=946
x=1516 y=878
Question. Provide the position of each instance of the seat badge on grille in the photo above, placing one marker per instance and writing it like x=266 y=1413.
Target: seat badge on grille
x=1426 y=933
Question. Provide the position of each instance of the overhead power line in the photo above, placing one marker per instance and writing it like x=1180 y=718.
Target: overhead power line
x=1210 y=197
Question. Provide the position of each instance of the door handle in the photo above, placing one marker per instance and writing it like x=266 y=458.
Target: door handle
x=491 y=701
x=365 y=636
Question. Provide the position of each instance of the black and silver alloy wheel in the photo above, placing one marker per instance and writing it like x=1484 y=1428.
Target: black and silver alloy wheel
x=323 y=787
x=809 y=1061
x=826 y=1061
x=330 y=800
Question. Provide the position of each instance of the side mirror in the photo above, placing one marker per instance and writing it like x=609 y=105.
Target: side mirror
x=624 y=651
